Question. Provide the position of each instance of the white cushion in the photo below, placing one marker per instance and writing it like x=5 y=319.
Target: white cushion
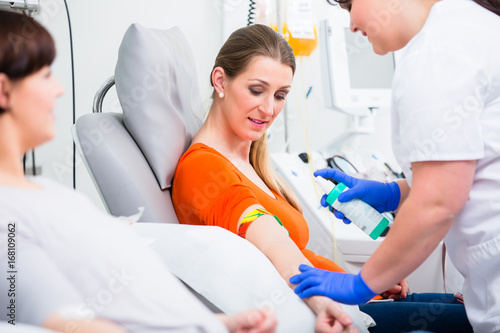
x=236 y=280
x=158 y=91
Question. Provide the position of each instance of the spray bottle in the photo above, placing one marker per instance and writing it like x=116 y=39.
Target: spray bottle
x=360 y=213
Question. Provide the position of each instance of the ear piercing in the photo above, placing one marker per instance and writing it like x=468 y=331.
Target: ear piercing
x=221 y=95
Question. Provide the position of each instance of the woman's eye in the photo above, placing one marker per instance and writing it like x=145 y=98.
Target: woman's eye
x=280 y=96
x=255 y=91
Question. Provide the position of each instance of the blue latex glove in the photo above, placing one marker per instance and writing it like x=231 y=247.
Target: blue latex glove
x=384 y=197
x=341 y=287
x=337 y=213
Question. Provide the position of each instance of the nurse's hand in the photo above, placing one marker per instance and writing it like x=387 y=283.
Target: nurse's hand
x=341 y=287
x=338 y=214
x=384 y=197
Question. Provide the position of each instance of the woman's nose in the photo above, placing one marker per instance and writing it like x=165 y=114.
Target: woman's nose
x=267 y=107
x=58 y=88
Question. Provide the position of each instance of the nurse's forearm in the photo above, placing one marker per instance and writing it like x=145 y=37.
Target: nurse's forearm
x=404 y=188
x=439 y=192
x=416 y=232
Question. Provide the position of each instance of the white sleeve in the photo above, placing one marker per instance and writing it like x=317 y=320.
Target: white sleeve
x=33 y=287
x=438 y=98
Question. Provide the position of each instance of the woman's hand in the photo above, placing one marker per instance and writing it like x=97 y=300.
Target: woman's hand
x=251 y=321
x=398 y=291
x=330 y=317
x=333 y=319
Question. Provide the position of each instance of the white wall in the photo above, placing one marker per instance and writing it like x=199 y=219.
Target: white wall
x=98 y=27
x=323 y=125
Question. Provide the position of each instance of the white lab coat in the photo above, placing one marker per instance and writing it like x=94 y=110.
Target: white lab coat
x=446 y=106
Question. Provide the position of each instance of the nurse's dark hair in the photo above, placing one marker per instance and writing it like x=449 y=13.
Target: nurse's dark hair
x=242 y=46
x=491 y=5
x=25 y=46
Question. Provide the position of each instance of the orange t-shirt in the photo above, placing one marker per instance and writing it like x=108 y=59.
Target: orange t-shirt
x=209 y=190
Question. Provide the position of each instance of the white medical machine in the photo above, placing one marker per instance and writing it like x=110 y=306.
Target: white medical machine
x=355 y=81
x=29 y=5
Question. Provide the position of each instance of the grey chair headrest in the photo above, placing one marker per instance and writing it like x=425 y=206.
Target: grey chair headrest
x=158 y=91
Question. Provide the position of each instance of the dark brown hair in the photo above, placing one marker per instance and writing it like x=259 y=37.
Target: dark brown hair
x=246 y=43
x=25 y=45
x=491 y=5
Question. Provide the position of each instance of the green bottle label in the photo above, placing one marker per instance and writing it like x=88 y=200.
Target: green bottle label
x=359 y=212
x=334 y=194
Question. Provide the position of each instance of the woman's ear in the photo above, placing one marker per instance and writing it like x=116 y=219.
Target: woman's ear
x=218 y=79
x=5 y=87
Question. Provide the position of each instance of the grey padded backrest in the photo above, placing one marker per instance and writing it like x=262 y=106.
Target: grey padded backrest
x=134 y=161
x=121 y=173
x=119 y=169
x=157 y=85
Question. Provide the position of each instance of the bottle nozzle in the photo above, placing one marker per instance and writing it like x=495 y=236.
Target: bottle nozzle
x=326 y=185
x=332 y=180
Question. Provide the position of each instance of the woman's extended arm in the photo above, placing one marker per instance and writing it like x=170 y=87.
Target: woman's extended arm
x=257 y=321
x=273 y=240
x=59 y=324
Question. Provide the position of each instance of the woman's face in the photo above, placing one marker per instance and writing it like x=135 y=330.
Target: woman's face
x=254 y=98
x=32 y=101
x=379 y=20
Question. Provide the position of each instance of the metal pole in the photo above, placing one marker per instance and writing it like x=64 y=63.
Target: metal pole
x=285 y=109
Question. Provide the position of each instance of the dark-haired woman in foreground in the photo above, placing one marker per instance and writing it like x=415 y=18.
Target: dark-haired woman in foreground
x=78 y=269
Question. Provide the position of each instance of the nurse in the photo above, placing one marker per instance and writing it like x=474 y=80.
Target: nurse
x=446 y=138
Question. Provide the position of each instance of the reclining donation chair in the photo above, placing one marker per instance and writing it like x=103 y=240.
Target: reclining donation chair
x=132 y=157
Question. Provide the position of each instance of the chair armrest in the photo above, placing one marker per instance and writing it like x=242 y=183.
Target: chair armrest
x=231 y=273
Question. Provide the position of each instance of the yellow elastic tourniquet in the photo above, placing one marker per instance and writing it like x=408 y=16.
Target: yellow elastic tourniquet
x=252 y=216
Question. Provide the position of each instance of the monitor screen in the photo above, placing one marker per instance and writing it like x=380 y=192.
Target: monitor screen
x=367 y=70
x=355 y=78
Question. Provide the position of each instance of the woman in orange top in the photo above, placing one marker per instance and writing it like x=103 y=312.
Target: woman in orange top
x=214 y=192
x=225 y=177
